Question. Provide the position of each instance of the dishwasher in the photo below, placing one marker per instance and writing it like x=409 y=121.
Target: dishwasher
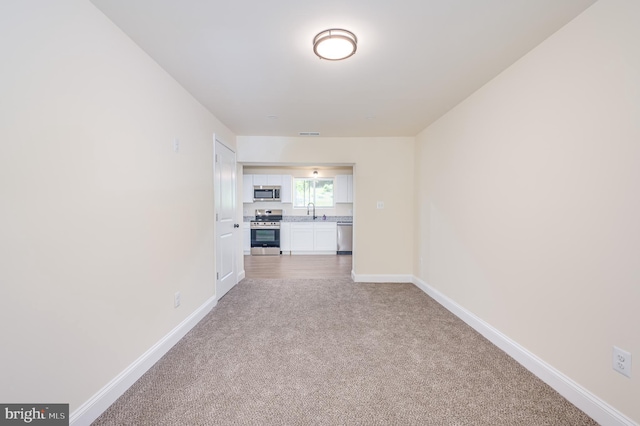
x=345 y=238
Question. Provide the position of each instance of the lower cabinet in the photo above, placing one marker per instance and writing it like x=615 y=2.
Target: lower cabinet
x=285 y=237
x=301 y=237
x=325 y=237
x=246 y=238
x=313 y=238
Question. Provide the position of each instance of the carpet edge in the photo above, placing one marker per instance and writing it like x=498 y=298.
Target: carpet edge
x=586 y=401
x=98 y=403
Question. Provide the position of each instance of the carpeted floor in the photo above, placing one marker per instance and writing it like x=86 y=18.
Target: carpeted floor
x=334 y=352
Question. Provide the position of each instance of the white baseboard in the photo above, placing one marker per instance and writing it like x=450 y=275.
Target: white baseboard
x=98 y=403
x=593 y=406
x=241 y=275
x=381 y=278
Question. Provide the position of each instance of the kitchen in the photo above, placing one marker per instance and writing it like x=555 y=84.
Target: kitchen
x=297 y=210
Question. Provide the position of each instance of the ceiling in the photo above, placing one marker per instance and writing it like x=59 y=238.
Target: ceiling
x=251 y=62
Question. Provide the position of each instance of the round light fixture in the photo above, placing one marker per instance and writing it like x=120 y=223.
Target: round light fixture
x=335 y=44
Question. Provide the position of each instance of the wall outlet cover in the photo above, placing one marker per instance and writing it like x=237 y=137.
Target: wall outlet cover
x=622 y=361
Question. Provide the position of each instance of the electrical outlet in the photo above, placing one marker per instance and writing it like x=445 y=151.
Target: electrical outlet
x=176 y=145
x=622 y=361
x=176 y=299
x=380 y=205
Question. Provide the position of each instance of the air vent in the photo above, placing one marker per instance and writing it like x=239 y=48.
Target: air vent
x=309 y=133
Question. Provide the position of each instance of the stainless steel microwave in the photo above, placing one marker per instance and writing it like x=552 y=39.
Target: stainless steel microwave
x=266 y=193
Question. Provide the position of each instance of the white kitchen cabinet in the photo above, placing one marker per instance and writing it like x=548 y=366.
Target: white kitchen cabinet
x=246 y=237
x=260 y=179
x=286 y=192
x=274 y=180
x=344 y=189
x=285 y=237
x=285 y=182
x=270 y=180
x=325 y=237
x=247 y=188
x=313 y=238
x=301 y=237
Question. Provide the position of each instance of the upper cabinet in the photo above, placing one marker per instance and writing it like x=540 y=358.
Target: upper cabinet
x=271 y=180
x=344 y=189
x=285 y=183
x=286 y=189
x=247 y=188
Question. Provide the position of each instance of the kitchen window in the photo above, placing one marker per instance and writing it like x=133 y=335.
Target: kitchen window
x=310 y=190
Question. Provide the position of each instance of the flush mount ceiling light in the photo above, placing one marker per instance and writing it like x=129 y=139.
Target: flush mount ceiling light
x=335 y=44
x=315 y=174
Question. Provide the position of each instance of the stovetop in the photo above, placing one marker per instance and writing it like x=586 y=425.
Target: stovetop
x=263 y=215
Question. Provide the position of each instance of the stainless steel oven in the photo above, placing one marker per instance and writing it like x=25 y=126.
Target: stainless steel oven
x=265 y=233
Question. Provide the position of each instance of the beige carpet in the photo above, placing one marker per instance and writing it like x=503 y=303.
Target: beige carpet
x=334 y=352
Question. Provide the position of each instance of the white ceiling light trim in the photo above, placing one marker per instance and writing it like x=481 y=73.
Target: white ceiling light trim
x=335 y=44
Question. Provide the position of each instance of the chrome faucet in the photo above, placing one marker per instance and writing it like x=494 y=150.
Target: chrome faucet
x=314 y=211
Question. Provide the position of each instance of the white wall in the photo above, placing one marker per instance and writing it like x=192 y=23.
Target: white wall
x=100 y=221
x=530 y=203
x=383 y=171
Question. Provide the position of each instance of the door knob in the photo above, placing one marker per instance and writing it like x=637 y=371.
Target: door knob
x=236 y=225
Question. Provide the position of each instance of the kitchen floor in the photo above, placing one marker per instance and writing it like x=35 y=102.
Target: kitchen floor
x=302 y=266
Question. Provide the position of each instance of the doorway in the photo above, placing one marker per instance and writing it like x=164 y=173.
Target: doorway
x=338 y=178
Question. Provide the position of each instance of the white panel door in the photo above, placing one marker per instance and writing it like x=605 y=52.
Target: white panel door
x=225 y=196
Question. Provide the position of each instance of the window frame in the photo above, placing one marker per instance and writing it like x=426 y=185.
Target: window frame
x=314 y=201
